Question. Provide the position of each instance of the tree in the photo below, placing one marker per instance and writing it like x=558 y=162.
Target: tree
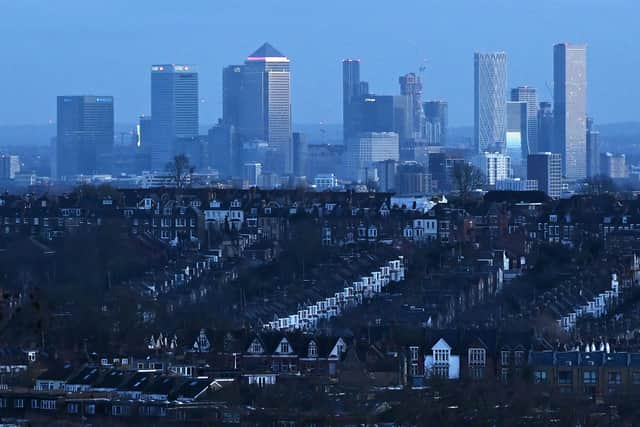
x=467 y=178
x=180 y=169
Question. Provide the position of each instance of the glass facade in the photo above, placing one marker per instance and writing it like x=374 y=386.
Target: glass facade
x=490 y=97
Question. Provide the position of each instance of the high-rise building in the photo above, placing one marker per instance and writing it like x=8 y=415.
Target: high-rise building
x=411 y=87
x=386 y=175
x=9 y=166
x=223 y=150
x=517 y=143
x=441 y=166
x=383 y=113
x=174 y=112
x=351 y=90
x=570 y=108
x=528 y=94
x=369 y=148
x=546 y=168
x=545 y=128
x=490 y=97
x=412 y=178
x=300 y=154
x=613 y=165
x=257 y=102
x=495 y=166
x=436 y=121
x=251 y=173
x=85 y=135
x=593 y=149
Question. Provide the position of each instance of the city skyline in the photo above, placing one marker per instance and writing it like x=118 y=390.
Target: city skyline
x=446 y=75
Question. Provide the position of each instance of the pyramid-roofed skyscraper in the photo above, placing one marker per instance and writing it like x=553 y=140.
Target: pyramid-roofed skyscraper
x=261 y=91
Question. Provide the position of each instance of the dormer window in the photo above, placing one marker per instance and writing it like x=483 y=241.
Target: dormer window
x=441 y=356
x=284 y=347
x=256 y=347
x=414 y=350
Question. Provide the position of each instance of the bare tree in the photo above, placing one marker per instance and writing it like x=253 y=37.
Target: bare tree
x=467 y=178
x=180 y=169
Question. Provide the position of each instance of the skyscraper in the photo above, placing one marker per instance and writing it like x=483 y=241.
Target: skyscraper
x=593 y=149
x=570 y=108
x=546 y=168
x=490 y=97
x=257 y=101
x=517 y=143
x=300 y=154
x=85 y=135
x=545 y=127
x=495 y=166
x=436 y=121
x=528 y=94
x=351 y=90
x=411 y=87
x=174 y=112
x=369 y=148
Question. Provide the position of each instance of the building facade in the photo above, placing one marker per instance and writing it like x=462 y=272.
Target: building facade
x=174 y=112
x=529 y=95
x=490 y=97
x=570 y=108
x=546 y=169
x=85 y=136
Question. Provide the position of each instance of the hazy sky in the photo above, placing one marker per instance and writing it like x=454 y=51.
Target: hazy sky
x=105 y=47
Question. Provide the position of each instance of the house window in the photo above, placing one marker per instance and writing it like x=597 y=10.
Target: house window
x=589 y=377
x=519 y=358
x=414 y=350
x=635 y=377
x=3 y=403
x=441 y=356
x=34 y=404
x=313 y=349
x=414 y=370
x=565 y=377
x=140 y=365
x=505 y=357
x=256 y=347
x=18 y=403
x=477 y=356
x=48 y=404
x=72 y=408
x=614 y=378
x=504 y=375
x=540 y=377
x=90 y=409
x=477 y=372
x=441 y=371
x=284 y=347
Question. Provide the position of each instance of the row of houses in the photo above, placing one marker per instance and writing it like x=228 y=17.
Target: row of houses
x=366 y=287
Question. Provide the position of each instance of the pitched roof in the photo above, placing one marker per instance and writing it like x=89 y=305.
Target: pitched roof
x=266 y=51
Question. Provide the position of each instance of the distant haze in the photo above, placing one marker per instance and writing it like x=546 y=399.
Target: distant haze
x=106 y=47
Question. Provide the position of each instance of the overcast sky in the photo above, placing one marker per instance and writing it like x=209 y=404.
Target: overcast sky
x=105 y=47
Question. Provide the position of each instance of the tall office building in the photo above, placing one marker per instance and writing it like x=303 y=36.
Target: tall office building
x=570 y=108
x=545 y=128
x=351 y=90
x=495 y=166
x=300 y=154
x=369 y=148
x=546 y=168
x=441 y=167
x=85 y=135
x=613 y=165
x=517 y=142
x=490 y=97
x=9 y=166
x=593 y=149
x=528 y=94
x=411 y=87
x=383 y=113
x=386 y=175
x=174 y=112
x=436 y=121
x=257 y=102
